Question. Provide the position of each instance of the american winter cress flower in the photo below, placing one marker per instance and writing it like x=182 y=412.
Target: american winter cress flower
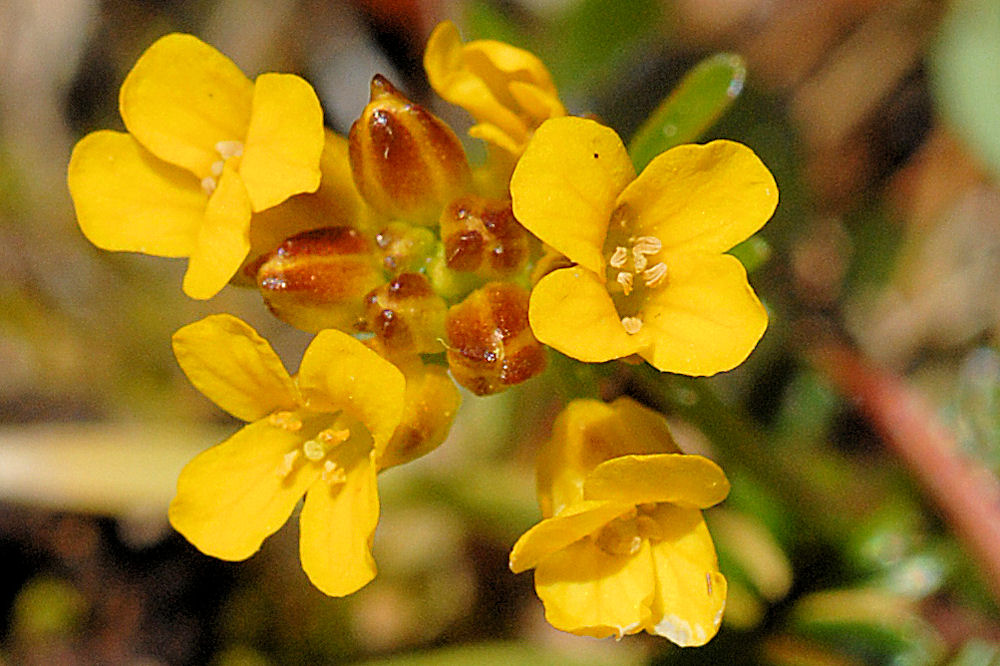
x=650 y=275
x=622 y=546
x=321 y=434
x=391 y=236
x=205 y=149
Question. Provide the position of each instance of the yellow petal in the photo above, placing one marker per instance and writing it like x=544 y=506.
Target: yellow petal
x=281 y=155
x=234 y=367
x=565 y=186
x=338 y=372
x=490 y=133
x=591 y=593
x=431 y=403
x=336 y=203
x=473 y=84
x=704 y=319
x=553 y=534
x=702 y=198
x=234 y=495
x=538 y=101
x=337 y=526
x=570 y=310
x=585 y=434
x=690 y=591
x=182 y=98
x=685 y=480
x=223 y=240
x=126 y=199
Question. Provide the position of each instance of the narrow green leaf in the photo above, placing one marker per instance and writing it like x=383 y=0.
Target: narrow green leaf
x=693 y=106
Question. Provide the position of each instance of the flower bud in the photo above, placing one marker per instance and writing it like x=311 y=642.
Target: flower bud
x=317 y=279
x=429 y=408
x=490 y=345
x=407 y=163
x=406 y=315
x=405 y=248
x=482 y=236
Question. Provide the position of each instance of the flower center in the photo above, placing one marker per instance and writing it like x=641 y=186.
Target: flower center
x=315 y=449
x=632 y=268
x=624 y=535
x=226 y=150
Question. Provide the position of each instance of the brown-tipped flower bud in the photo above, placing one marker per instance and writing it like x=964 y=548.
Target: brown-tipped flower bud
x=490 y=344
x=429 y=408
x=318 y=279
x=406 y=315
x=482 y=236
x=407 y=163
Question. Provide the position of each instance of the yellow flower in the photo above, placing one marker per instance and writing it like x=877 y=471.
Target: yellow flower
x=508 y=91
x=623 y=547
x=205 y=148
x=651 y=277
x=320 y=434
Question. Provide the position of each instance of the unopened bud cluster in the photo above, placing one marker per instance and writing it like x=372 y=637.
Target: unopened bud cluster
x=437 y=270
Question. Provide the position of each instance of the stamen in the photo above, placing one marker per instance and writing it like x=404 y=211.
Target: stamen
x=314 y=450
x=285 y=420
x=655 y=275
x=229 y=149
x=208 y=184
x=619 y=257
x=333 y=473
x=647 y=245
x=285 y=468
x=648 y=528
x=639 y=259
x=632 y=325
x=625 y=280
x=217 y=167
x=333 y=437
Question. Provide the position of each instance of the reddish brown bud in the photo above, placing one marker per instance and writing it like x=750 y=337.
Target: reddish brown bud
x=318 y=279
x=406 y=315
x=482 y=236
x=490 y=344
x=407 y=163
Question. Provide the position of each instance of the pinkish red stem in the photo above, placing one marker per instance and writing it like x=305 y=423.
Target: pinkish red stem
x=966 y=493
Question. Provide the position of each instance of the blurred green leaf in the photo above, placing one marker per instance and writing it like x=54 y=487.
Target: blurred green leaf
x=496 y=654
x=977 y=653
x=965 y=77
x=693 y=106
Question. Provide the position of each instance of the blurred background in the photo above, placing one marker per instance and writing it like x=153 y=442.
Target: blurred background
x=862 y=437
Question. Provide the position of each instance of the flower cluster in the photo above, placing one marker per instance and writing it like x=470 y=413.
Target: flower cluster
x=416 y=269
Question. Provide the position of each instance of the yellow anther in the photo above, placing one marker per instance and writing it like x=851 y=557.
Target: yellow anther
x=314 y=450
x=619 y=257
x=625 y=280
x=285 y=420
x=208 y=185
x=217 y=167
x=332 y=437
x=656 y=275
x=333 y=473
x=632 y=325
x=647 y=245
x=639 y=260
x=229 y=149
x=648 y=528
x=287 y=461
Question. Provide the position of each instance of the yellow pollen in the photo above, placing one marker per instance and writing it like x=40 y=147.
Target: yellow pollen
x=217 y=167
x=285 y=420
x=208 y=184
x=632 y=325
x=285 y=468
x=625 y=280
x=314 y=450
x=656 y=275
x=229 y=149
x=619 y=257
x=333 y=473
